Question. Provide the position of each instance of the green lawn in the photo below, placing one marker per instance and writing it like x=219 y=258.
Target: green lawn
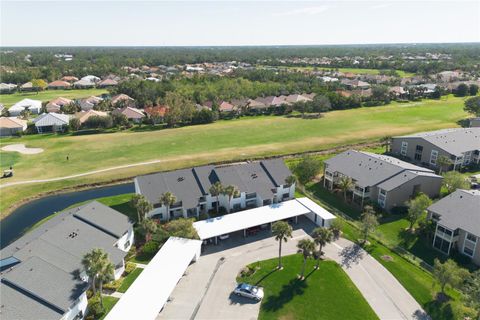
x=108 y=303
x=9 y=99
x=327 y=293
x=228 y=140
x=128 y=280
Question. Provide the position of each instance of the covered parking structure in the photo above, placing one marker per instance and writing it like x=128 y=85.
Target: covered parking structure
x=214 y=227
x=151 y=290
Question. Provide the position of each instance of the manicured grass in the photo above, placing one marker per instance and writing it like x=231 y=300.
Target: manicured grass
x=327 y=293
x=121 y=203
x=128 y=280
x=108 y=303
x=228 y=140
x=9 y=99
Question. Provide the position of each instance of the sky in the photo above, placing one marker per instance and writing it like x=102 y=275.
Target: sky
x=226 y=23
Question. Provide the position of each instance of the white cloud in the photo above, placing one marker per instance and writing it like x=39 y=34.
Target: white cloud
x=310 y=11
x=381 y=5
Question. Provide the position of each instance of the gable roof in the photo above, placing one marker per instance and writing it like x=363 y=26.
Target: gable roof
x=12 y=122
x=121 y=97
x=459 y=210
x=369 y=169
x=51 y=119
x=59 y=83
x=454 y=141
x=26 y=103
x=84 y=115
x=132 y=113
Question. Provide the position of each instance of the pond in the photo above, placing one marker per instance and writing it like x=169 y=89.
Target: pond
x=20 y=220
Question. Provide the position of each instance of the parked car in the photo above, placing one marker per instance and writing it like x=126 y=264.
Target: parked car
x=248 y=291
x=224 y=236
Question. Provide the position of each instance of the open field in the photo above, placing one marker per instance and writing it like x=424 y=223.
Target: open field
x=229 y=140
x=9 y=99
x=326 y=293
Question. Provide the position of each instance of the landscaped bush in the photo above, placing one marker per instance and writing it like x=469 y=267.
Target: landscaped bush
x=114 y=285
x=129 y=267
x=94 y=307
x=249 y=270
x=150 y=248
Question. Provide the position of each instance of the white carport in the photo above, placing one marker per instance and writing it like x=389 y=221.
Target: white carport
x=151 y=290
x=317 y=214
x=243 y=220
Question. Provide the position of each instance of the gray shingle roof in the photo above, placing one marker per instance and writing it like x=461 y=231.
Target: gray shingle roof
x=104 y=218
x=277 y=170
x=369 y=169
x=46 y=282
x=454 y=141
x=30 y=308
x=459 y=210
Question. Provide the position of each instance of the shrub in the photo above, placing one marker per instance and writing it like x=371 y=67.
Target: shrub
x=150 y=248
x=94 y=306
x=113 y=285
x=129 y=267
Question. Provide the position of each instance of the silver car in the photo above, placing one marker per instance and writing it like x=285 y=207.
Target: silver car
x=249 y=291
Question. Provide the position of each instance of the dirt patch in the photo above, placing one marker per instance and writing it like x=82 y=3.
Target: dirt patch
x=387 y=258
x=21 y=148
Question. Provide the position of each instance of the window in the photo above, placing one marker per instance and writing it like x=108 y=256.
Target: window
x=126 y=244
x=467 y=157
x=418 y=153
x=382 y=197
x=468 y=251
x=433 y=157
x=471 y=237
x=442 y=245
x=403 y=150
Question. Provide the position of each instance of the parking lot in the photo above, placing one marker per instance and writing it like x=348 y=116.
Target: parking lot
x=206 y=291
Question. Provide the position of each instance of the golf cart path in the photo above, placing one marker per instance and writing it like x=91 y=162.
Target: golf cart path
x=5 y=185
x=205 y=293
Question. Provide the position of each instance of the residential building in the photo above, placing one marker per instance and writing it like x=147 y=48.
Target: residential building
x=7 y=87
x=259 y=183
x=9 y=126
x=69 y=79
x=51 y=122
x=27 y=86
x=59 y=84
x=133 y=114
x=88 y=103
x=56 y=105
x=460 y=145
x=91 y=78
x=224 y=106
x=122 y=99
x=107 y=83
x=84 y=115
x=34 y=106
x=42 y=275
x=83 y=84
x=385 y=180
x=458 y=223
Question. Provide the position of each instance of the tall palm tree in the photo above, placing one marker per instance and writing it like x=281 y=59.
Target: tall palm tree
x=443 y=162
x=216 y=189
x=290 y=180
x=96 y=266
x=282 y=231
x=231 y=191
x=345 y=184
x=105 y=275
x=168 y=199
x=306 y=247
x=141 y=205
x=321 y=236
x=386 y=141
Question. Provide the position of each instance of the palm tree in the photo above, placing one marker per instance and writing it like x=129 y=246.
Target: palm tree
x=98 y=268
x=168 y=199
x=443 y=162
x=282 y=231
x=231 y=191
x=321 y=236
x=345 y=184
x=216 y=189
x=148 y=226
x=386 y=142
x=143 y=207
x=290 y=180
x=306 y=247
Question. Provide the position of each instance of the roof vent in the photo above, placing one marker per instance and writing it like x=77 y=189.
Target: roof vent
x=180 y=179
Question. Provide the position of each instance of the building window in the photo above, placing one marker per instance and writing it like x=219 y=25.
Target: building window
x=467 y=158
x=403 y=150
x=442 y=245
x=433 y=157
x=418 y=153
x=382 y=197
x=471 y=237
x=126 y=244
x=470 y=245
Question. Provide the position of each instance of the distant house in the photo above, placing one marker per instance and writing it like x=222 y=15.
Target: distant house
x=460 y=145
x=294 y=98
x=88 y=103
x=51 y=122
x=457 y=218
x=397 y=91
x=70 y=79
x=7 y=87
x=107 y=83
x=133 y=114
x=83 y=84
x=34 y=106
x=224 y=106
x=355 y=84
x=27 y=86
x=9 y=126
x=56 y=105
x=257 y=104
x=83 y=116
x=122 y=99
x=474 y=122
x=90 y=78
x=59 y=84
x=385 y=180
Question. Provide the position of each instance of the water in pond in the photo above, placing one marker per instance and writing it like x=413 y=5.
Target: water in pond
x=15 y=225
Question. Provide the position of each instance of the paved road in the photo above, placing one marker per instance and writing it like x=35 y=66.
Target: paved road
x=205 y=293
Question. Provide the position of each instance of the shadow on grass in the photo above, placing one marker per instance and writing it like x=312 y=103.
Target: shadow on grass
x=266 y=276
x=126 y=209
x=294 y=288
x=438 y=310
